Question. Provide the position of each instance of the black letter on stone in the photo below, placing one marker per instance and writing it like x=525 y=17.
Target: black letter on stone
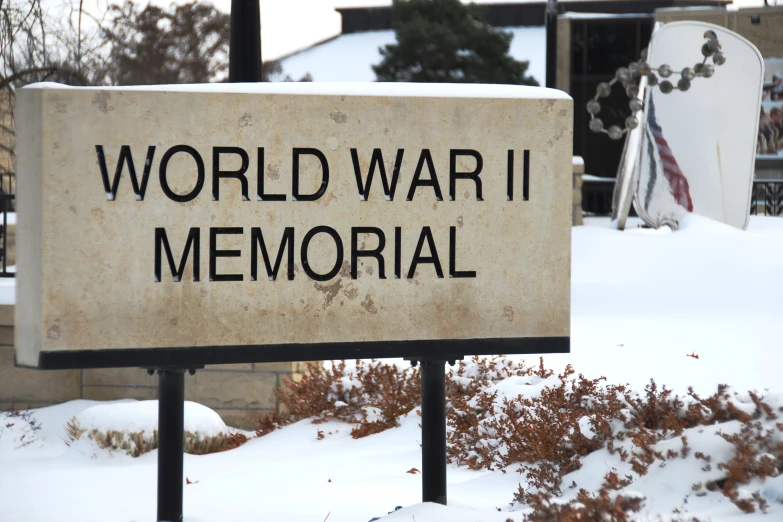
x=453 y=272
x=510 y=186
x=426 y=233
x=295 y=195
x=125 y=155
x=256 y=238
x=454 y=175
x=238 y=174
x=376 y=253
x=377 y=159
x=161 y=239
x=260 y=196
x=526 y=177
x=164 y=162
x=214 y=253
x=397 y=252
x=306 y=244
x=432 y=182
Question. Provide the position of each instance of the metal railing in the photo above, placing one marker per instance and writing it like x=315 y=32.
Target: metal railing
x=6 y=205
x=597 y=194
x=766 y=200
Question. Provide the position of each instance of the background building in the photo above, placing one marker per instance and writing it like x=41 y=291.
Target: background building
x=596 y=46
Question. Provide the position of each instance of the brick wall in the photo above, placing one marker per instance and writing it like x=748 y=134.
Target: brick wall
x=763 y=26
x=22 y=388
x=235 y=391
x=7 y=142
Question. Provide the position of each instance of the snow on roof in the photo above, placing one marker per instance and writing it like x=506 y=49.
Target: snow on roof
x=597 y=16
x=358 y=4
x=349 y=57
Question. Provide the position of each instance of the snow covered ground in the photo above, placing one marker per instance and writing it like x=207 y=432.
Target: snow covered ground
x=643 y=299
x=642 y=302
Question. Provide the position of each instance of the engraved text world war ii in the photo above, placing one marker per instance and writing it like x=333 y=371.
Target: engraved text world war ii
x=258 y=223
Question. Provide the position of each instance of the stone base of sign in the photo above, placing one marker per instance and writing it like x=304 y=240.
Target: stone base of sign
x=579 y=170
x=238 y=392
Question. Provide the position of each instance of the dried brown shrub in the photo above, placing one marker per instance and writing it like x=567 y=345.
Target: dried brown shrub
x=269 y=422
x=24 y=423
x=373 y=396
x=603 y=505
x=473 y=436
x=758 y=454
x=139 y=442
x=546 y=434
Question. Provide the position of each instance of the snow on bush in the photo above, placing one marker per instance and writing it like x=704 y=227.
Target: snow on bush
x=133 y=427
x=578 y=444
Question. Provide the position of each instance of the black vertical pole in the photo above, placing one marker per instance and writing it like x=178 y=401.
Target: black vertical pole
x=171 y=433
x=244 y=55
x=551 y=44
x=5 y=233
x=433 y=431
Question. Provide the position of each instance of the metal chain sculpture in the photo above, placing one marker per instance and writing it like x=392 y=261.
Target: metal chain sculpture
x=630 y=76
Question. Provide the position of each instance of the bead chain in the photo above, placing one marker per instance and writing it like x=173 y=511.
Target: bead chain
x=629 y=77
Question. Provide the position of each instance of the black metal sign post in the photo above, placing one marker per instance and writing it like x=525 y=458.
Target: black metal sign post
x=551 y=43
x=433 y=431
x=171 y=434
x=433 y=428
x=244 y=66
x=244 y=53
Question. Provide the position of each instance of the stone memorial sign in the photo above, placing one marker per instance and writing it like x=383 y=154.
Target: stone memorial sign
x=235 y=223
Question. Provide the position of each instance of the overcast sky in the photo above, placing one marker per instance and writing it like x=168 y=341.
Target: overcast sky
x=287 y=25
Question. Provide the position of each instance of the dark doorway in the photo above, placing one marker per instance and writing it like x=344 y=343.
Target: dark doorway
x=600 y=45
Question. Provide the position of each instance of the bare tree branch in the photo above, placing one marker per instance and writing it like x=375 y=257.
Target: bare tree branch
x=21 y=75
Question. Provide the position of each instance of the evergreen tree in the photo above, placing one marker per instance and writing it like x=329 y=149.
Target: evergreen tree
x=445 y=41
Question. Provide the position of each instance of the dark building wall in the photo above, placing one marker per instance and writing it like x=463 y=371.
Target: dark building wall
x=359 y=19
x=511 y=15
x=366 y=19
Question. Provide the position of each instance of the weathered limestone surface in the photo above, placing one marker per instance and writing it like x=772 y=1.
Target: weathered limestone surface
x=87 y=262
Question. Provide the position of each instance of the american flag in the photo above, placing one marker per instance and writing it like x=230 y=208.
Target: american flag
x=671 y=170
